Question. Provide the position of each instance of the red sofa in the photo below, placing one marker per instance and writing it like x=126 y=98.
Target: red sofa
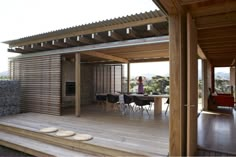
x=220 y=99
x=224 y=100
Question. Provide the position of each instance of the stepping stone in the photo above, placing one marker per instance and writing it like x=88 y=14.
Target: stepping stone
x=48 y=130
x=82 y=137
x=62 y=133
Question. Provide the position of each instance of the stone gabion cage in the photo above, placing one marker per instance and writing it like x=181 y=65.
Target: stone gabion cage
x=9 y=97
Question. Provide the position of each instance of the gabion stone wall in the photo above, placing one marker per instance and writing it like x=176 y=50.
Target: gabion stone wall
x=9 y=97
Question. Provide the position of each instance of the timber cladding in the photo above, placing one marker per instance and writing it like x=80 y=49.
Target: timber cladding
x=40 y=81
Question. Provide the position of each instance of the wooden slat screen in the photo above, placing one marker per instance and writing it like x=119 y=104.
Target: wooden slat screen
x=40 y=79
x=108 y=78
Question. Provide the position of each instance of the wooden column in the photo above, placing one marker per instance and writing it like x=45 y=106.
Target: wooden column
x=204 y=85
x=233 y=79
x=77 y=84
x=213 y=78
x=128 y=77
x=209 y=75
x=192 y=87
x=178 y=86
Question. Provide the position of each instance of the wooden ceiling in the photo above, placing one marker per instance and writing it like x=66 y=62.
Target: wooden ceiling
x=216 y=24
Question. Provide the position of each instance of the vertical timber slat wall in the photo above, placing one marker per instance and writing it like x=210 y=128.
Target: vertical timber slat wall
x=108 y=78
x=40 y=80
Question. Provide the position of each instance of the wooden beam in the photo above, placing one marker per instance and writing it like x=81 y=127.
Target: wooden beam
x=20 y=50
x=11 y=50
x=71 y=41
x=48 y=45
x=77 y=84
x=37 y=47
x=192 y=87
x=216 y=21
x=200 y=53
x=141 y=60
x=27 y=48
x=103 y=46
x=131 y=33
x=114 y=35
x=153 y=30
x=84 y=40
x=59 y=43
x=91 y=30
x=105 y=56
x=98 y=38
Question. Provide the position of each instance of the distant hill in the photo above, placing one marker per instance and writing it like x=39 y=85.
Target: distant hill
x=223 y=75
x=4 y=73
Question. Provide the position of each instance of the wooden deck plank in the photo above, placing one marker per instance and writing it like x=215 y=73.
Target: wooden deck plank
x=149 y=137
x=35 y=147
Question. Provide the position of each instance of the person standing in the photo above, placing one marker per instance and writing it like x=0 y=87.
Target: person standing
x=140 y=85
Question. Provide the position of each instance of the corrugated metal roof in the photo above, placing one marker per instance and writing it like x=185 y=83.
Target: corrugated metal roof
x=104 y=23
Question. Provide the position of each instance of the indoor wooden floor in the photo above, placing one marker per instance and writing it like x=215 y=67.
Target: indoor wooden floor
x=134 y=132
x=217 y=131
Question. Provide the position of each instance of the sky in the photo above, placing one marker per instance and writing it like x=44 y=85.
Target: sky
x=20 y=18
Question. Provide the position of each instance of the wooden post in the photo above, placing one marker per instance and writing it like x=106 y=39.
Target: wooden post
x=178 y=79
x=213 y=78
x=192 y=87
x=204 y=85
x=128 y=77
x=233 y=79
x=77 y=84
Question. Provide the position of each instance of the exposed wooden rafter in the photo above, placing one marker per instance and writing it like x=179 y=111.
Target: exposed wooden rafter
x=37 y=47
x=114 y=35
x=91 y=30
x=98 y=38
x=131 y=32
x=27 y=48
x=84 y=40
x=70 y=41
x=153 y=30
x=20 y=50
x=59 y=43
x=105 y=56
x=48 y=45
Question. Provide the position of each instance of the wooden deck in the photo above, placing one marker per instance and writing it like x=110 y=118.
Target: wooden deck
x=217 y=131
x=135 y=133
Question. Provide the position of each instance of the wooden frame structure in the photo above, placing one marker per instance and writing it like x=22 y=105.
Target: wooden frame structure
x=211 y=24
x=196 y=27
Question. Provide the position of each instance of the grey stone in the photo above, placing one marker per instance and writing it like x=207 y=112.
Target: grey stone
x=9 y=97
